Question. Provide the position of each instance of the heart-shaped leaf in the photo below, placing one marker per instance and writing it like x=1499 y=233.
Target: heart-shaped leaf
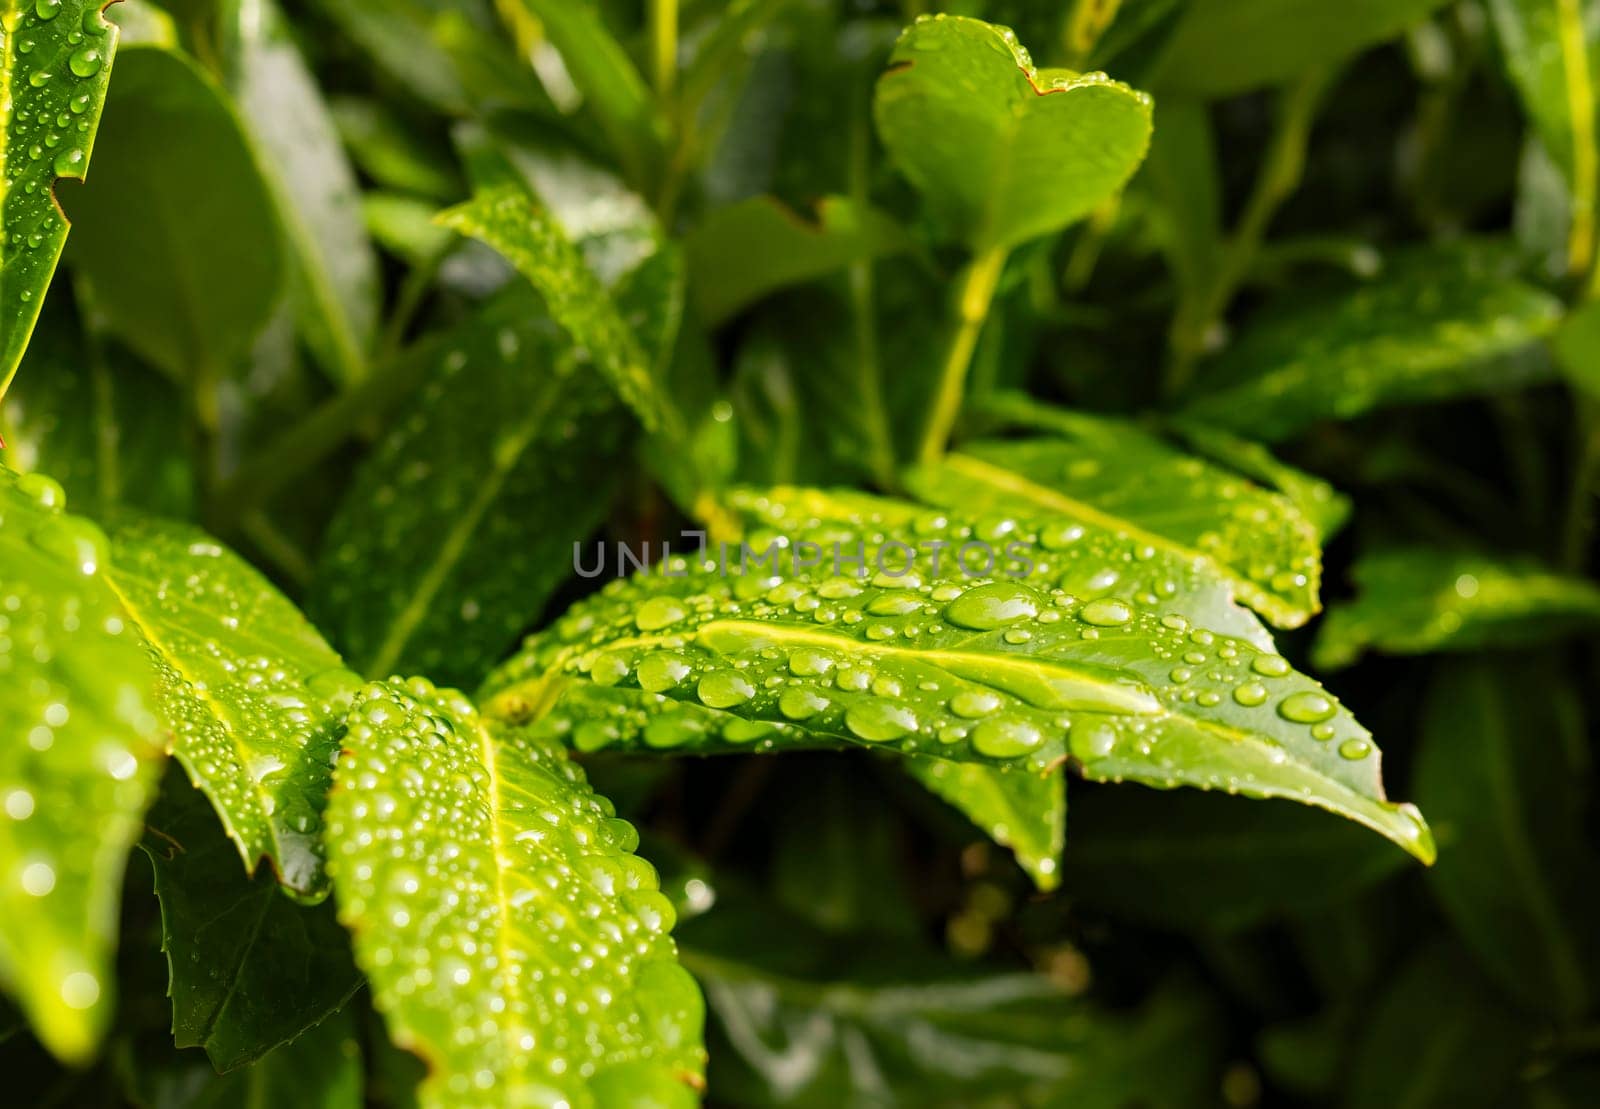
x=78 y=764
x=512 y=938
x=55 y=64
x=1003 y=670
x=1004 y=152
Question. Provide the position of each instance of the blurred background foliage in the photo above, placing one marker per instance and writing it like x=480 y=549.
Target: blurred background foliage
x=1365 y=234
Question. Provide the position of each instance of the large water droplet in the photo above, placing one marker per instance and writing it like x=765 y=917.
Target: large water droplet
x=1307 y=707
x=722 y=689
x=1005 y=738
x=974 y=703
x=658 y=613
x=1106 y=613
x=661 y=671
x=992 y=606
x=879 y=721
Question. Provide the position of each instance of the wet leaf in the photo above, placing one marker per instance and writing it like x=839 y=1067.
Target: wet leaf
x=1438 y=322
x=1418 y=600
x=513 y=941
x=55 y=63
x=524 y=231
x=249 y=970
x=744 y=251
x=1326 y=508
x=462 y=523
x=1009 y=670
x=1501 y=769
x=250 y=692
x=1023 y=811
x=1110 y=474
x=1530 y=34
x=1001 y=151
x=77 y=768
x=191 y=281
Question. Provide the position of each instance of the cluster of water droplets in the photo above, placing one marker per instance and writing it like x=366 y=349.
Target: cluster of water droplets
x=969 y=668
x=49 y=116
x=78 y=776
x=508 y=930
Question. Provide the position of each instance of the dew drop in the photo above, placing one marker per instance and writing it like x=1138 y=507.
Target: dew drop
x=1106 y=613
x=878 y=721
x=86 y=62
x=801 y=704
x=722 y=689
x=974 y=703
x=658 y=613
x=1354 y=749
x=1307 y=707
x=1250 y=694
x=1005 y=738
x=995 y=605
x=661 y=671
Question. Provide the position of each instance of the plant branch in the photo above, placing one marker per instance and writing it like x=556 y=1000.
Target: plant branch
x=974 y=293
x=1585 y=162
x=664 y=45
x=1278 y=178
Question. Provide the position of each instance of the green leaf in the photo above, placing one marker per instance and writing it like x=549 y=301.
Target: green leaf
x=55 y=63
x=1220 y=864
x=1223 y=47
x=1321 y=504
x=744 y=251
x=320 y=1070
x=605 y=77
x=335 y=271
x=511 y=937
x=1417 y=600
x=1438 y=322
x=1009 y=670
x=1502 y=769
x=77 y=768
x=1110 y=474
x=249 y=970
x=1534 y=44
x=1577 y=348
x=176 y=232
x=524 y=231
x=250 y=691
x=1025 y=812
x=1003 y=152
x=91 y=417
x=1438 y=1036
x=418 y=43
x=461 y=524
x=390 y=153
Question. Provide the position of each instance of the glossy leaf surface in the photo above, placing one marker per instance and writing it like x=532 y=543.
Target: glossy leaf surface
x=1111 y=475
x=471 y=551
x=1437 y=323
x=334 y=268
x=250 y=692
x=77 y=768
x=1023 y=811
x=1418 y=600
x=249 y=970
x=521 y=948
x=55 y=62
x=190 y=283
x=1004 y=152
x=1006 y=671
x=524 y=231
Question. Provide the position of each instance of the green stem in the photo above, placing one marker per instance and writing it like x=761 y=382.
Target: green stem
x=974 y=294
x=1276 y=181
x=664 y=45
x=1585 y=159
